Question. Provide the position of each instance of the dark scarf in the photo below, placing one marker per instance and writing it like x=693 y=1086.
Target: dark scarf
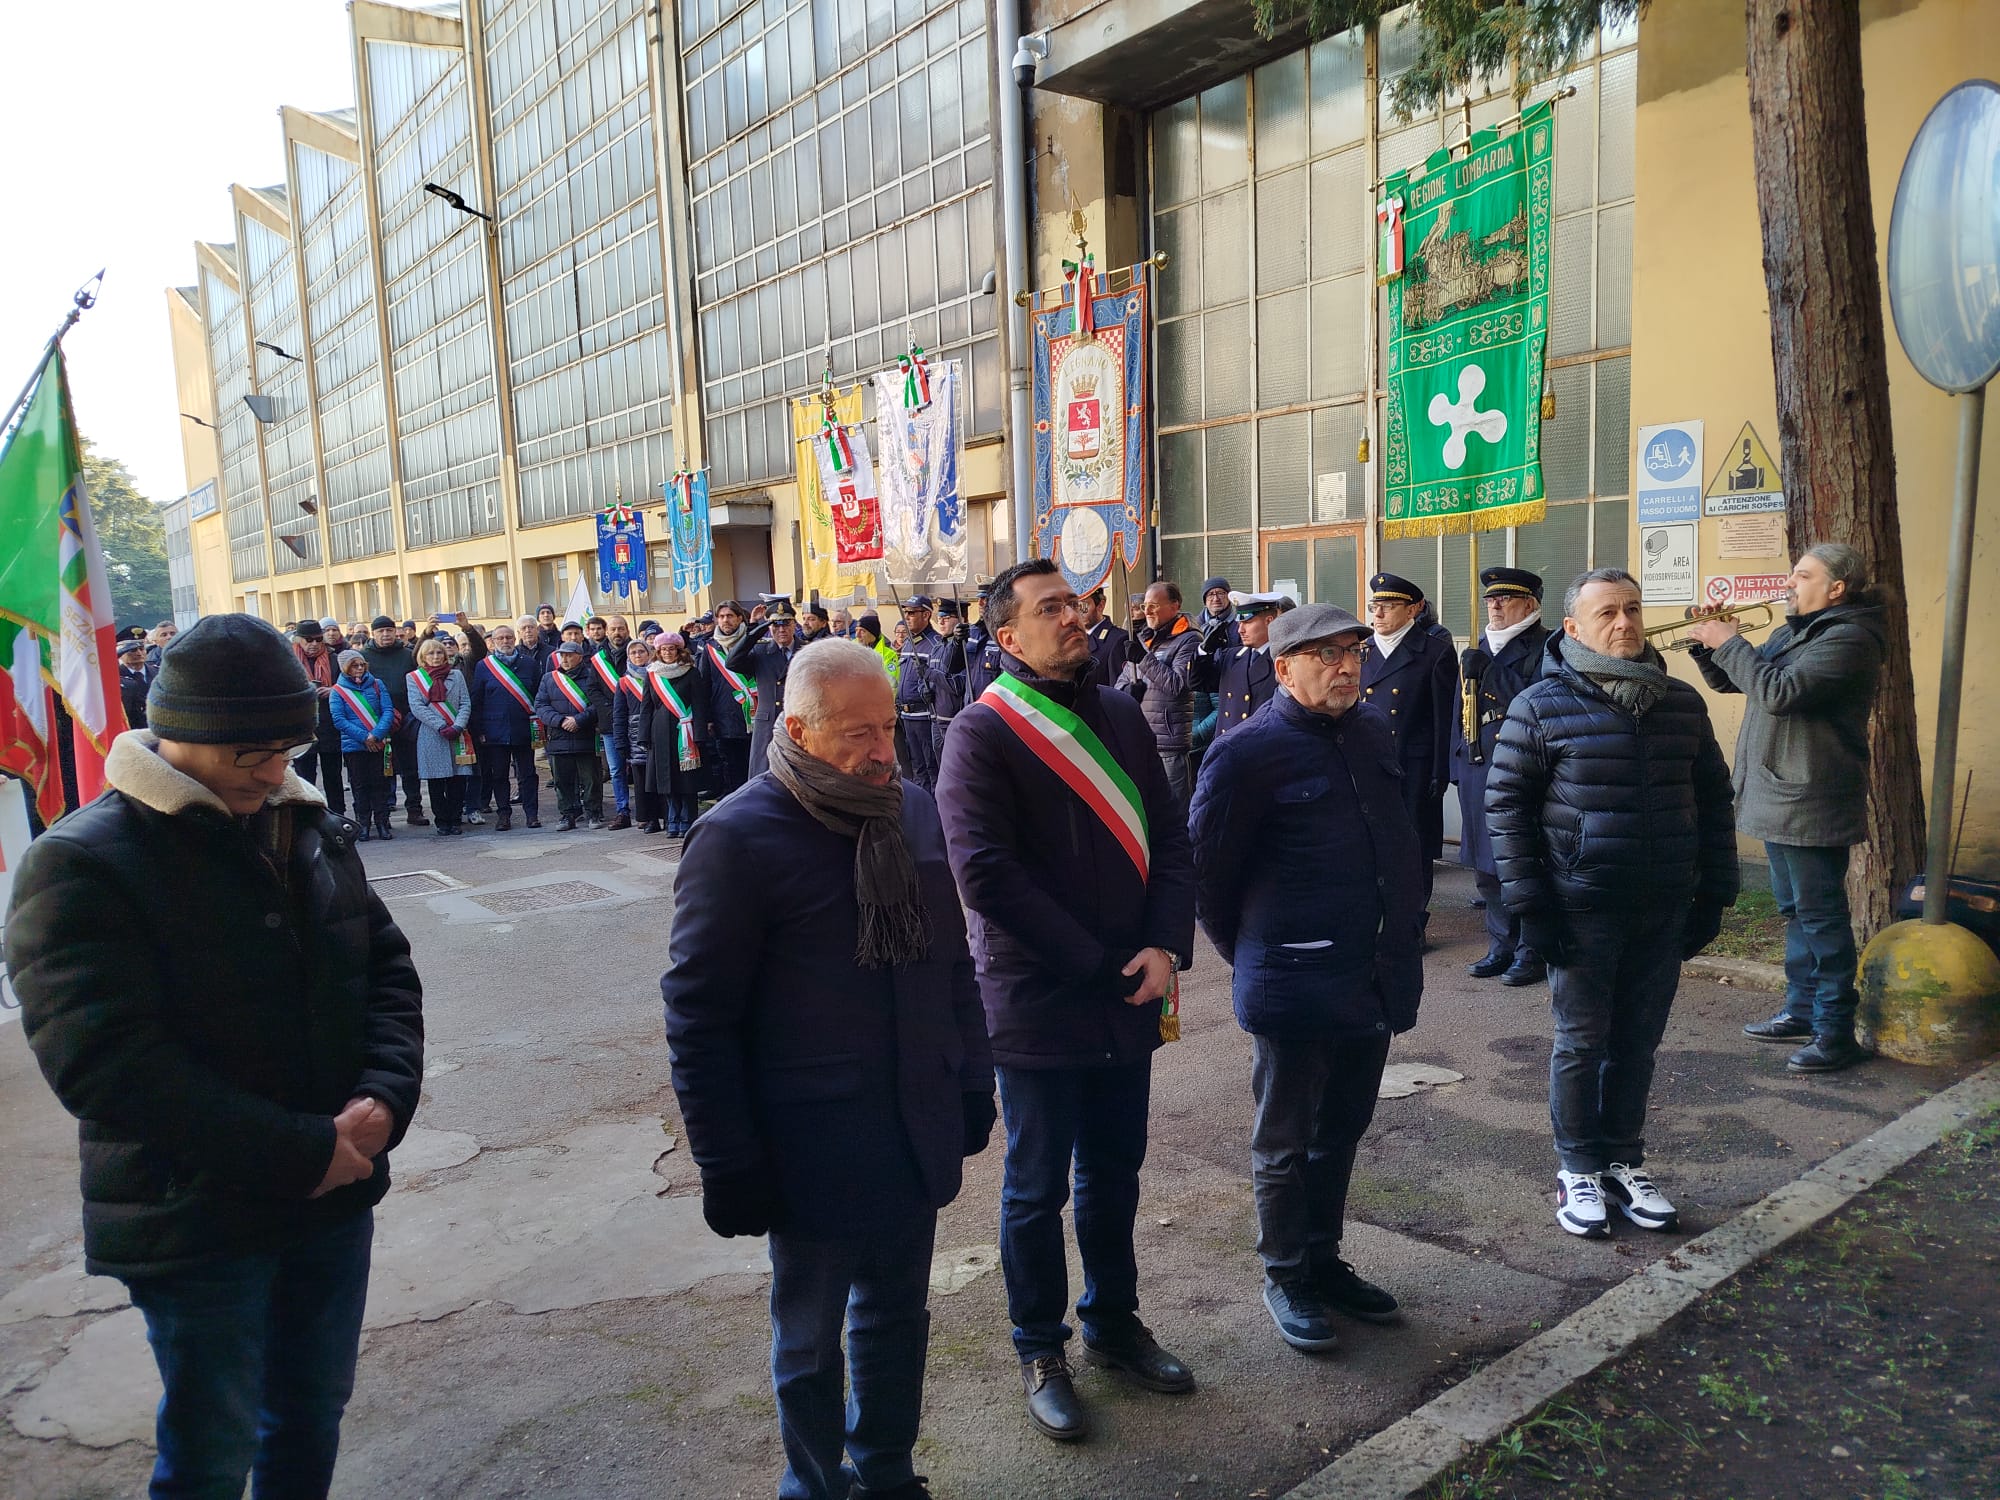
x=1634 y=685
x=893 y=927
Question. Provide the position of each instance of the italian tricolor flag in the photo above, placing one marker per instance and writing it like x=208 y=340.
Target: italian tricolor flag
x=53 y=590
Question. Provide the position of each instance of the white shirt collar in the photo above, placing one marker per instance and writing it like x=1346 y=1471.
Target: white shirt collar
x=1496 y=640
x=1387 y=644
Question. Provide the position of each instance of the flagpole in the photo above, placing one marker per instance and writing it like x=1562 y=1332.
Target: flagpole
x=84 y=300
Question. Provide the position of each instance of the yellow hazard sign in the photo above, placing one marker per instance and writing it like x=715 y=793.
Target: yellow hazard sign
x=1747 y=481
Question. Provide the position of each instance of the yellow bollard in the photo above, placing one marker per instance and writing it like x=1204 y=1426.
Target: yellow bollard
x=1930 y=994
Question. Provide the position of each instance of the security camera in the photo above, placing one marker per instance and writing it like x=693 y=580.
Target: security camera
x=1033 y=50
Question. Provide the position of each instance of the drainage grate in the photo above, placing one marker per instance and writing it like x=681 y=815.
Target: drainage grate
x=669 y=851
x=412 y=883
x=531 y=898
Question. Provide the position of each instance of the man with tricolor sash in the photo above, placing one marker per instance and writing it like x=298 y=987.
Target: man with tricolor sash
x=763 y=656
x=1309 y=882
x=573 y=707
x=1072 y=859
x=607 y=665
x=732 y=697
x=504 y=726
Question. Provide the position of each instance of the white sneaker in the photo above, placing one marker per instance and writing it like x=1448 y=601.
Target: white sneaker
x=475 y=820
x=1580 y=1205
x=1633 y=1191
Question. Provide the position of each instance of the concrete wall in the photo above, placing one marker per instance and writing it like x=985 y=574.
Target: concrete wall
x=1701 y=334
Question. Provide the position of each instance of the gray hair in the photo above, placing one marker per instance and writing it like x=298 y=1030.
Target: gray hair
x=1843 y=564
x=1584 y=580
x=818 y=667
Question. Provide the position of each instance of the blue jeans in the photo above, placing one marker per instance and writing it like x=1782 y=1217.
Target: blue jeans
x=1611 y=994
x=257 y=1355
x=1810 y=885
x=614 y=767
x=879 y=1285
x=1095 y=1118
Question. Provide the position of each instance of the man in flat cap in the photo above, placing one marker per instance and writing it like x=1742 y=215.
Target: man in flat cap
x=765 y=655
x=1409 y=674
x=1242 y=677
x=1506 y=659
x=242 y=1049
x=1327 y=952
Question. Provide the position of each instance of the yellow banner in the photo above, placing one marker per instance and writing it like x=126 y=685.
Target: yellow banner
x=822 y=570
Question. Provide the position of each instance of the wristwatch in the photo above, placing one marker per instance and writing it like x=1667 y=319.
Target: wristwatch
x=1173 y=958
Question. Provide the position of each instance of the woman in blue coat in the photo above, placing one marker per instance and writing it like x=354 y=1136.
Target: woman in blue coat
x=441 y=704
x=364 y=716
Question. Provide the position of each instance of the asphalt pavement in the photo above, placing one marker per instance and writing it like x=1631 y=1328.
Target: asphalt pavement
x=549 y=1316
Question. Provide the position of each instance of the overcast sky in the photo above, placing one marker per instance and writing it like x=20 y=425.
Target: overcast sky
x=124 y=123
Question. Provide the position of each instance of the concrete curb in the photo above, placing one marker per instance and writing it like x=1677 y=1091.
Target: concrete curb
x=1741 y=971
x=1418 y=1449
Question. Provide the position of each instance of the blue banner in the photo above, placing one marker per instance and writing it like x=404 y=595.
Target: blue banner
x=621 y=551
x=687 y=527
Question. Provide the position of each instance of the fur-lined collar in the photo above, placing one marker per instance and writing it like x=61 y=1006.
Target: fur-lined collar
x=135 y=768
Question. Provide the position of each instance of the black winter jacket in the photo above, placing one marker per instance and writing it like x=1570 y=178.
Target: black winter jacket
x=1591 y=809
x=552 y=706
x=206 y=1039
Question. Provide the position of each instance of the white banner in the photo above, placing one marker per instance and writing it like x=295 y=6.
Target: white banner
x=923 y=514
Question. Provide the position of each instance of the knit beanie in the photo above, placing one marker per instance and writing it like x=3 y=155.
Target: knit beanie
x=231 y=679
x=348 y=658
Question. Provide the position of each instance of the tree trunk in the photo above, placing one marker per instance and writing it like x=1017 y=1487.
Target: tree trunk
x=1809 y=137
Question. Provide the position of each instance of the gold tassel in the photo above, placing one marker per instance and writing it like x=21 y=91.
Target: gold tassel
x=1170 y=1011
x=1361 y=450
x=1548 y=398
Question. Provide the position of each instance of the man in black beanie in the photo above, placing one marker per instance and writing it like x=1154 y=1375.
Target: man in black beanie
x=242 y=1050
x=392 y=660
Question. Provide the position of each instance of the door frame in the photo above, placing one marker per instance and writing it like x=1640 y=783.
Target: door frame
x=1310 y=534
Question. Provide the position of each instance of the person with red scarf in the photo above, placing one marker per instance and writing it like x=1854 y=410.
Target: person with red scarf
x=309 y=646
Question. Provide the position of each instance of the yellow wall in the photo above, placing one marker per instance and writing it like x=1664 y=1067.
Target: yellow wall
x=1701 y=345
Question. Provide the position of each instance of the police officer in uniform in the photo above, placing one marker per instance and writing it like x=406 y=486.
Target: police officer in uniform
x=922 y=662
x=1410 y=675
x=1504 y=661
x=1107 y=639
x=1241 y=676
x=982 y=652
x=767 y=660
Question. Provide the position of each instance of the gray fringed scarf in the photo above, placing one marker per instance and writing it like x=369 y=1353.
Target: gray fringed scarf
x=894 y=928
x=1634 y=685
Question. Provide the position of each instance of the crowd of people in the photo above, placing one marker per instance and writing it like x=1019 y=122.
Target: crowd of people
x=983 y=847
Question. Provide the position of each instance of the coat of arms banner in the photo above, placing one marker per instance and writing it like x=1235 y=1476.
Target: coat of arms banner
x=687 y=528
x=1468 y=331
x=1090 y=399
x=923 y=514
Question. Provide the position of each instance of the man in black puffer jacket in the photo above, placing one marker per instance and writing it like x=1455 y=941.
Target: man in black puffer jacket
x=242 y=1050
x=1614 y=832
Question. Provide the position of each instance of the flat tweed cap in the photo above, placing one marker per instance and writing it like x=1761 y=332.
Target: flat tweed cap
x=231 y=680
x=1297 y=629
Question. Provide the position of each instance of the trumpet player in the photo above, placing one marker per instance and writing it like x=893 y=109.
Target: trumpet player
x=1507 y=657
x=1801 y=780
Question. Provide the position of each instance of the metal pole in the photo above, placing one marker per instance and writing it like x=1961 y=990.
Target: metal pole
x=49 y=348
x=1951 y=672
x=1014 y=220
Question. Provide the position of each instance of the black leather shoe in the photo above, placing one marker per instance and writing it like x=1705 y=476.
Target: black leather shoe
x=1491 y=966
x=1780 y=1028
x=1534 y=971
x=1345 y=1292
x=1052 y=1403
x=915 y=1489
x=1827 y=1054
x=1142 y=1358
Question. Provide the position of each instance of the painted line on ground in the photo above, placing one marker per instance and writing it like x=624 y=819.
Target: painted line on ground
x=1418 y=1449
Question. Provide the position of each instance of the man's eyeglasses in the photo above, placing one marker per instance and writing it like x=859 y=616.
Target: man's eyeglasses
x=249 y=760
x=1333 y=655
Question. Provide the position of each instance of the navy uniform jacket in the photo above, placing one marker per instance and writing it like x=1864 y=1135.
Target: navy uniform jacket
x=1052 y=893
x=844 y=1084
x=1321 y=947
x=1107 y=647
x=756 y=655
x=1242 y=679
x=914 y=689
x=982 y=663
x=1517 y=664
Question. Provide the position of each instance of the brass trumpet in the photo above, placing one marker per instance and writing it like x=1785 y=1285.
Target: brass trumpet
x=1742 y=614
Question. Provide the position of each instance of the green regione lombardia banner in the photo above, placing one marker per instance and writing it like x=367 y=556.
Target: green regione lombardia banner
x=1464 y=250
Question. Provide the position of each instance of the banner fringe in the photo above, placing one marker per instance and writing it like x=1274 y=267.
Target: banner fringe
x=1527 y=513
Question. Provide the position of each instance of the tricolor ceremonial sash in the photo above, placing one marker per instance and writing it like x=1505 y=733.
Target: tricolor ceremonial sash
x=361 y=708
x=425 y=678
x=1071 y=748
x=688 y=753
x=511 y=683
x=607 y=672
x=744 y=688
x=635 y=684
x=571 y=691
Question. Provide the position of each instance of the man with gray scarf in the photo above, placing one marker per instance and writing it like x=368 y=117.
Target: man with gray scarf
x=830 y=1056
x=1614 y=833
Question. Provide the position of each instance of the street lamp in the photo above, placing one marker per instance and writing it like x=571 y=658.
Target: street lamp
x=453 y=200
x=273 y=348
x=198 y=421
